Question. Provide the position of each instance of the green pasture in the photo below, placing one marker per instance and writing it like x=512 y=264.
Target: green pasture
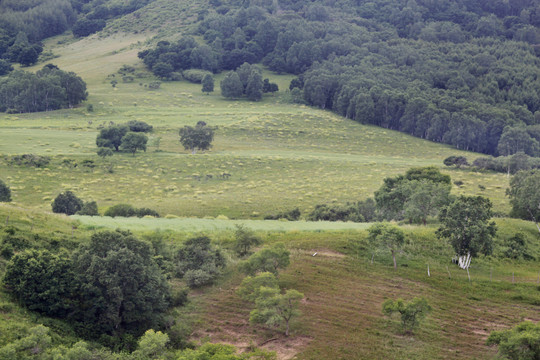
x=279 y=156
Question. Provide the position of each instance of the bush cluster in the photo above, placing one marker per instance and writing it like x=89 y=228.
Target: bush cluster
x=126 y=210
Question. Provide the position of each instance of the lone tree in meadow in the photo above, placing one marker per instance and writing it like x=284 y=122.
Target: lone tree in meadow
x=274 y=308
x=5 y=192
x=388 y=236
x=196 y=138
x=134 y=141
x=67 y=203
x=466 y=224
x=412 y=313
x=207 y=84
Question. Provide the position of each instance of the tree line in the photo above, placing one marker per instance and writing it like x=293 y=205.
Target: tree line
x=48 y=89
x=461 y=73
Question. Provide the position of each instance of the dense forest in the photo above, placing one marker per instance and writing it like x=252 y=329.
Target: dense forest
x=459 y=72
x=24 y=23
x=48 y=89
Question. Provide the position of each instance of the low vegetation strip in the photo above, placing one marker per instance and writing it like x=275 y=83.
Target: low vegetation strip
x=194 y=224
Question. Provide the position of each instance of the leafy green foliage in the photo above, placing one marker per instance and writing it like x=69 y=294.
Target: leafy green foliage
x=29 y=160
x=231 y=86
x=199 y=261
x=522 y=342
x=420 y=193
x=111 y=136
x=48 y=89
x=524 y=195
x=89 y=208
x=122 y=288
x=254 y=87
x=517 y=139
x=104 y=152
x=269 y=259
x=376 y=64
x=245 y=239
x=457 y=161
x=67 y=203
x=207 y=84
x=152 y=345
x=387 y=236
x=250 y=288
x=84 y=27
x=33 y=345
x=412 y=313
x=126 y=210
x=195 y=76
x=196 y=138
x=134 y=141
x=291 y=215
x=5 y=192
x=269 y=87
x=516 y=247
x=139 y=126
x=182 y=55
x=273 y=308
x=361 y=211
x=42 y=281
x=465 y=223
x=211 y=351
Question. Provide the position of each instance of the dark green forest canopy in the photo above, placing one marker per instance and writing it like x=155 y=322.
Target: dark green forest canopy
x=456 y=72
x=24 y=23
x=48 y=89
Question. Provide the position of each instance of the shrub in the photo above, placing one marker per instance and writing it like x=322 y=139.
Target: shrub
x=89 y=208
x=5 y=192
x=516 y=247
x=518 y=343
x=123 y=210
x=361 y=211
x=245 y=240
x=199 y=261
x=139 y=126
x=195 y=75
x=292 y=215
x=67 y=203
x=198 y=278
x=146 y=212
x=42 y=281
x=412 y=313
x=30 y=160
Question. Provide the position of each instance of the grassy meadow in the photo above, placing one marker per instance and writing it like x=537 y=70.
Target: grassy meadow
x=279 y=156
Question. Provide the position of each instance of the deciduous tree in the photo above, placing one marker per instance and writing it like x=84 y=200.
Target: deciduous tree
x=122 y=288
x=134 y=141
x=67 y=203
x=207 y=84
x=465 y=223
x=196 y=138
x=269 y=259
x=524 y=193
x=412 y=313
x=388 y=236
